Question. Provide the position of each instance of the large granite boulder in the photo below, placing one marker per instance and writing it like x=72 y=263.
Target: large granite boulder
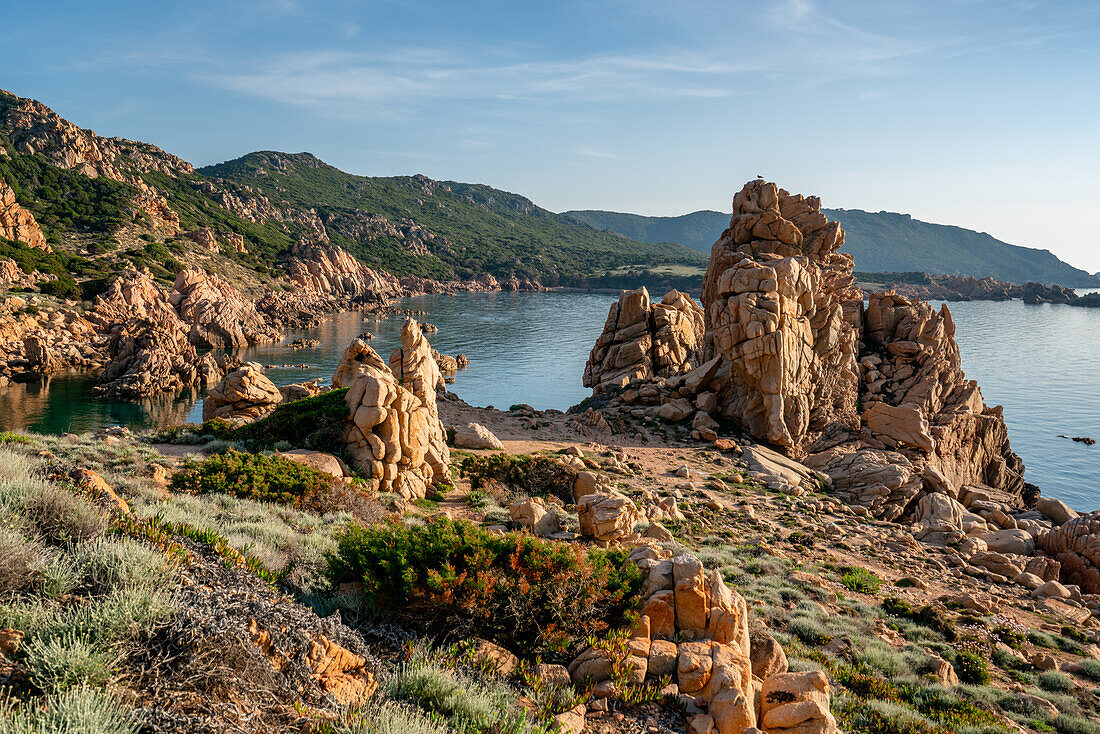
x=217 y=313
x=393 y=431
x=1076 y=545
x=642 y=340
x=244 y=395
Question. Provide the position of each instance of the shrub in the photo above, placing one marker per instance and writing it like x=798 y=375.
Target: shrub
x=389 y=718
x=1055 y=682
x=928 y=616
x=123 y=563
x=13 y=437
x=18 y=570
x=529 y=475
x=313 y=423
x=534 y=594
x=1075 y=725
x=1089 y=669
x=468 y=706
x=971 y=668
x=79 y=709
x=861 y=580
x=252 y=476
x=62 y=517
x=62 y=662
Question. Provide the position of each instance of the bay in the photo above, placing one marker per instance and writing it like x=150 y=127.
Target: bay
x=1039 y=362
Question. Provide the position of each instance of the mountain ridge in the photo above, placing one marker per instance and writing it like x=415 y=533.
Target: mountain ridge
x=106 y=203
x=879 y=241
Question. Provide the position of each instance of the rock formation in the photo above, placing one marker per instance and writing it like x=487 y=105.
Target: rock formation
x=219 y=316
x=1076 y=545
x=873 y=397
x=18 y=224
x=329 y=270
x=148 y=357
x=642 y=340
x=244 y=395
x=695 y=629
x=393 y=431
x=774 y=297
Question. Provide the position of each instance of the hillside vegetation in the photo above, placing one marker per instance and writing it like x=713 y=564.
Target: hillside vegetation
x=879 y=241
x=108 y=203
x=477 y=229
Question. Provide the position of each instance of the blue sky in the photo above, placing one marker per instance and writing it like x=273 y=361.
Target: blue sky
x=982 y=113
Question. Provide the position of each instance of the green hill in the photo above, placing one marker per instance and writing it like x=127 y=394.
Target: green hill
x=104 y=204
x=879 y=241
x=464 y=229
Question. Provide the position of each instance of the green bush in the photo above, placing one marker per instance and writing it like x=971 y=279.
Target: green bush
x=18 y=571
x=252 y=476
x=120 y=563
x=67 y=660
x=1055 y=682
x=61 y=517
x=313 y=423
x=81 y=709
x=971 y=668
x=528 y=474
x=861 y=580
x=525 y=592
x=468 y=706
x=927 y=616
x=1089 y=669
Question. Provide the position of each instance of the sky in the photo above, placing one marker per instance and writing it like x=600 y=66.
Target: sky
x=980 y=113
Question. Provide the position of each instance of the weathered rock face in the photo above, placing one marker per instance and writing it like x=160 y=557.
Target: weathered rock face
x=329 y=270
x=132 y=295
x=34 y=128
x=774 y=298
x=682 y=600
x=219 y=316
x=872 y=397
x=1076 y=545
x=642 y=340
x=244 y=395
x=916 y=367
x=148 y=357
x=394 y=430
x=18 y=224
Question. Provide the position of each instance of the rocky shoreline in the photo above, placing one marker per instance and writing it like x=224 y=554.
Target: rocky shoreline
x=965 y=288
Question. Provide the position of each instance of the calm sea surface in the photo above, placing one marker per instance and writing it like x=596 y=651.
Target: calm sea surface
x=1042 y=363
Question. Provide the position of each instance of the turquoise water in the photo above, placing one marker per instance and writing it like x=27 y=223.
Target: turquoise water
x=1039 y=362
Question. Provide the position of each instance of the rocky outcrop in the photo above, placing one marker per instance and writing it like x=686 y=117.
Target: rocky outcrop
x=35 y=129
x=217 y=313
x=244 y=395
x=132 y=295
x=775 y=298
x=873 y=397
x=148 y=357
x=696 y=629
x=18 y=224
x=921 y=286
x=1076 y=545
x=329 y=270
x=642 y=340
x=393 y=432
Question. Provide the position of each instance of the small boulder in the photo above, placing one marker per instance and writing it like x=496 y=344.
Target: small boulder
x=476 y=436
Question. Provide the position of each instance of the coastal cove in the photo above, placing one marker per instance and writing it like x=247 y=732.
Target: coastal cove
x=1038 y=361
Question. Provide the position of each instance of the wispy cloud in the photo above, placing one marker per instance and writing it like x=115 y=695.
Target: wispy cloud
x=590 y=152
x=325 y=79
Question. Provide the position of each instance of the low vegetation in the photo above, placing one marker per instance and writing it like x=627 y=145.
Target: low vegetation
x=252 y=476
x=530 y=594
